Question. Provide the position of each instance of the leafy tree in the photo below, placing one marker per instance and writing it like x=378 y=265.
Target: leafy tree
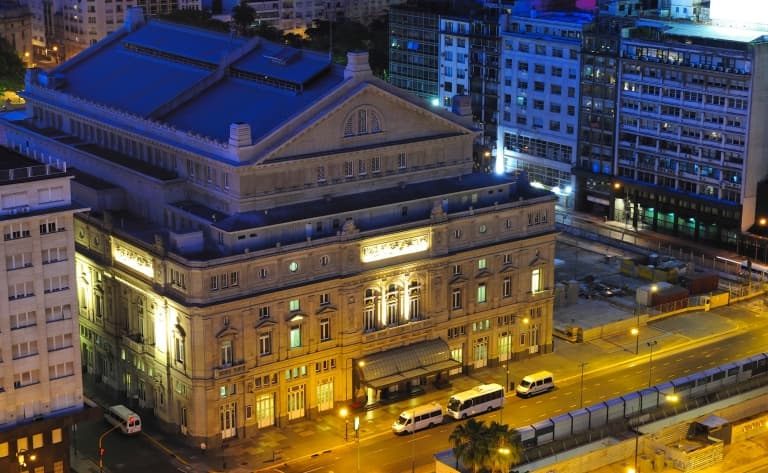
x=11 y=67
x=243 y=16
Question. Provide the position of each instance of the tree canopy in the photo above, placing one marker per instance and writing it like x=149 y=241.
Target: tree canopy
x=486 y=448
x=11 y=67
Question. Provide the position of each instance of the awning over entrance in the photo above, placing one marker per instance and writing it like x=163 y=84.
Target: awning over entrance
x=401 y=364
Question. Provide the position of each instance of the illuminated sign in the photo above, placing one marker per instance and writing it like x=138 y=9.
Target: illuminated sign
x=393 y=248
x=132 y=258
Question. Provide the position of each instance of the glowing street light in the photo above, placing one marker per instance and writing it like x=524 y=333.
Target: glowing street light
x=343 y=412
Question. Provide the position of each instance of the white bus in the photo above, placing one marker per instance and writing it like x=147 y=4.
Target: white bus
x=421 y=417
x=483 y=398
x=129 y=421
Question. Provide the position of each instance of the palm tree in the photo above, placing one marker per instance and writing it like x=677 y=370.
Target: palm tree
x=470 y=444
x=505 y=448
x=243 y=16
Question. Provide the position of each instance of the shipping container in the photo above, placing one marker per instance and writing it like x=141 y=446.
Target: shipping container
x=700 y=283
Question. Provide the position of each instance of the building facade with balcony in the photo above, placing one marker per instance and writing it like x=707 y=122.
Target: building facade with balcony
x=690 y=148
x=41 y=393
x=539 y=97
x=281 y=256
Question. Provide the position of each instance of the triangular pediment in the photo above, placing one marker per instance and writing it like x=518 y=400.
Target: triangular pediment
x=366 y=117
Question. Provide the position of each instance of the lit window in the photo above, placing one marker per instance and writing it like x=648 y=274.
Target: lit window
x=295 y=337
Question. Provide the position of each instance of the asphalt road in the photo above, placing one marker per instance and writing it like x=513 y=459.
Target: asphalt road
x=383 y=452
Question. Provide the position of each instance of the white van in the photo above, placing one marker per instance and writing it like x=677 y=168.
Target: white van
x=120 y=416
x=418 y=418
x=536 y=383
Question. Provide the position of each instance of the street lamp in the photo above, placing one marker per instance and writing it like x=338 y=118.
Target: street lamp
x=636 y=333
x=343 y=412
x=22 y=459
x=650 y=344
x=507 y=386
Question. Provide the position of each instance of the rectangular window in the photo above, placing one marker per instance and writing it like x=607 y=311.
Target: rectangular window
x=52 y=255
x=321 y=174
x=234 y=278
x=49 y=225
x=506 y=287
x=401 y=161
x=295 y=341
x=59 y=342
x=293 y=305
x=361 y=167
x=348 y=169
x=265 y=343
x=56 y=283
x=482 y=263
x=179 y=349
x=214 y=283
x=325 y=329
x=226 y=353
x=456 y=269
x=481 y=293
x=23 y=319
x=264 y=312
x=456 y=299
x=325 y=298
x=536 y=281
x=376 y=164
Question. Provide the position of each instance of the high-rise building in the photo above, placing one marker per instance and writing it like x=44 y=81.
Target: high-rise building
x=690 y=142
x=272 y=235
x=41 y=391
x=539 y=98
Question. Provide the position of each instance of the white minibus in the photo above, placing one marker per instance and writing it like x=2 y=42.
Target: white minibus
x=536 y=383
x=483 y=398
x=129 y=421
x=421 y=417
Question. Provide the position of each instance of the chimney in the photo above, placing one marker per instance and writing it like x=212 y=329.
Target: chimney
x=357 y=65
x=240 y=135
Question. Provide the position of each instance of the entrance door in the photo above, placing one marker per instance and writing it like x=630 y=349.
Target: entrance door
x=296 y=402
x=228 y=417
x=325 y=395
x=265 y=410
x=480 y=352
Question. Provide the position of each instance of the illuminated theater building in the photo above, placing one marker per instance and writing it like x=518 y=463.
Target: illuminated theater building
x=271 y=235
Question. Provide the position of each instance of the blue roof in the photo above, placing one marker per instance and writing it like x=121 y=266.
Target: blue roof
x=144 y=71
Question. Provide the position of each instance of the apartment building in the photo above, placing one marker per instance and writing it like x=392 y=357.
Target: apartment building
x=690 y=149
x=15 y=27
x=539 y=97
x=41 y=392
x=318 y=239
x=599 y=73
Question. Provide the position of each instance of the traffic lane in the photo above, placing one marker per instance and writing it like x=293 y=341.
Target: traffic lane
x=122 y=452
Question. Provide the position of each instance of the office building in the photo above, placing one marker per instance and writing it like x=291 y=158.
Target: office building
x=41 y=393
x=690 y=148
x=272 y=235
x=539 y=98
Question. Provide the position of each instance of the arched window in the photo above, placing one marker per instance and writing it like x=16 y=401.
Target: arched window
x=362 y=121
x=414 y=300
x=370 y=312
x=393 y=305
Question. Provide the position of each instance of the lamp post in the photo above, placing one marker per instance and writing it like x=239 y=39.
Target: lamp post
x=344 y=413
x=651 y=344
x=636 y=333
x=507 y=387
x=22 y=458
x=581 y=385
